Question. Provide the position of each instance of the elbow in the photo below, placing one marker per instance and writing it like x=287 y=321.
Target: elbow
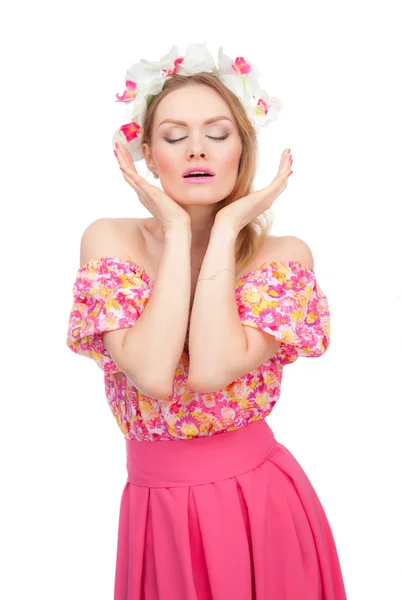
x=195 y=386
x=152 y=388
x=206 y=384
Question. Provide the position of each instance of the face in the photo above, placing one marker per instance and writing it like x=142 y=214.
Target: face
x=177 y=147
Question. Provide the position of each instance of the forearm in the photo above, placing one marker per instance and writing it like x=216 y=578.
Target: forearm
x=154 y=344
x=216 y=336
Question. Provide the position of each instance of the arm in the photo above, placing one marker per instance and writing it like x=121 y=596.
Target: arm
x=221 y=348
x=154 y=345
x=218 y=342
x=149 y=350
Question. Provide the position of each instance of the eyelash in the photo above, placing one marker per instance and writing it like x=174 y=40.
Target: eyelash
x=183 y=138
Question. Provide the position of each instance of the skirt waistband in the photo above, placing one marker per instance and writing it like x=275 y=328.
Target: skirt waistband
x=200 y=460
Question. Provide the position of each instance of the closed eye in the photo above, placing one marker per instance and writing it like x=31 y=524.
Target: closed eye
x=183 y=138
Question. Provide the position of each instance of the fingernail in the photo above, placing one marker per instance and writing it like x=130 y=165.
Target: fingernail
x=123 y=170
x=115 y=152
x=290 y=173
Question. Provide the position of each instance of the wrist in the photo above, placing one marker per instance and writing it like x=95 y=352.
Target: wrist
x=178 y=229
x=224 y=227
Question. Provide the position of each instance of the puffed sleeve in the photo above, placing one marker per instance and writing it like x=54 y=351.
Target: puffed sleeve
x=285 y=300
x=108 y=294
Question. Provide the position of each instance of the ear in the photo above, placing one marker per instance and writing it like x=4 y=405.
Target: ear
x=148 y=157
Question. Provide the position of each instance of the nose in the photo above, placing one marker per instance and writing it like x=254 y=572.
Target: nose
x=196 y=148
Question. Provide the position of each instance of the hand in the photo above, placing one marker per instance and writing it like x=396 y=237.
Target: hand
x=162 y=207
x=241 y=212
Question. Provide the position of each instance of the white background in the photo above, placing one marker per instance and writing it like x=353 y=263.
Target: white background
x=63 y=466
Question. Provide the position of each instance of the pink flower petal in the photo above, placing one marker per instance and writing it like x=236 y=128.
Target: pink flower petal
x=241 y=67
x=130 y=131
x=129 y=93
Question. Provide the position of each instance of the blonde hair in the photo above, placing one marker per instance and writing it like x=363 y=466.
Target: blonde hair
x=251 y=237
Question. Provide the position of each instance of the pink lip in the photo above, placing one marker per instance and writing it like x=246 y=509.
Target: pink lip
x=198 y=179
x=197 y=168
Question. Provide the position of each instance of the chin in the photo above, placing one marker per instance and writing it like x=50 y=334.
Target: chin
x=196 y=197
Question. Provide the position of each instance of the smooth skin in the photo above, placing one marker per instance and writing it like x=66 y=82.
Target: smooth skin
x=196 y=143
x=238 y=213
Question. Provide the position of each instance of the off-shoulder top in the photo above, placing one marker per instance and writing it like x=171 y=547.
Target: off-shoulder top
x=280 y=298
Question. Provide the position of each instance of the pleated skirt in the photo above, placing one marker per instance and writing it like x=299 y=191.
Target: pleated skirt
x=223 y=517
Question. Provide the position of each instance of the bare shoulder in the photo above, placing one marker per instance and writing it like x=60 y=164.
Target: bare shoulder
x=105 y=237
x=289 y=247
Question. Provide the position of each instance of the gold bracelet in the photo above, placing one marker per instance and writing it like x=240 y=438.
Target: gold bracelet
x=213 y=276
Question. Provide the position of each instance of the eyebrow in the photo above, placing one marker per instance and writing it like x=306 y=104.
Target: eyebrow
x=212 y=120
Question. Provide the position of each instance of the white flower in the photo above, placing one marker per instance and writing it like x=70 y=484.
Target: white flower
x=263 y=110
x=240 y=76
x=197 y=59
x=147 y=78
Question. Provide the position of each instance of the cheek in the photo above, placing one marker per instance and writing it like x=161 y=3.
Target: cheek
x=229 y=159
x=163 y=160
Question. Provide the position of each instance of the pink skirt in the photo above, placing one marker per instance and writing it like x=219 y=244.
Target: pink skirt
x=226 y=517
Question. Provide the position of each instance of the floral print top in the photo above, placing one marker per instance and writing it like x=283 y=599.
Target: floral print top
x=280 y=298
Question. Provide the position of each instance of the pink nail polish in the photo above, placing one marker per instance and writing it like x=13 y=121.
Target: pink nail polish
x=115 y=152
x=290 y=173
x=123 y=170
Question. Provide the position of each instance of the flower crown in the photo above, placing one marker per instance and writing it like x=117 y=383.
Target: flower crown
x=146 y=78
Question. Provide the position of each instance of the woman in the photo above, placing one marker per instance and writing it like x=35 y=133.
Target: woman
x=214 y=507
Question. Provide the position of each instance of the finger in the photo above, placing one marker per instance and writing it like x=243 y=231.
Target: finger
x=280 y=181
x=285 y=161
x=139 y=182
x=131 y=182
x=282 y=160
x=124 y=157
x=125 y=161
x=131 y=175
x=284 y=170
